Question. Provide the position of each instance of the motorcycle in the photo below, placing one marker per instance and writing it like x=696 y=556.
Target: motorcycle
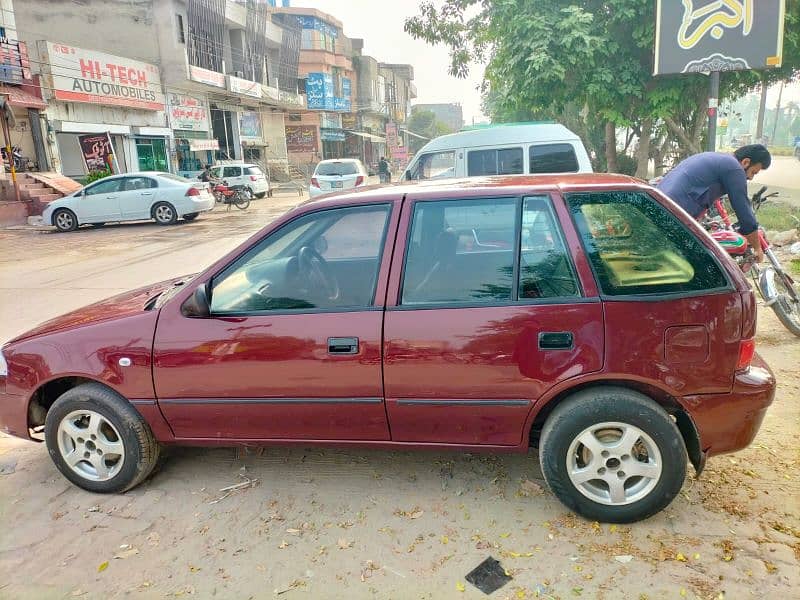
x=775 y=285
x=238 y=196
x=21 y=163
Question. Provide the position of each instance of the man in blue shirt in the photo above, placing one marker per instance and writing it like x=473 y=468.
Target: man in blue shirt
x=700 y=179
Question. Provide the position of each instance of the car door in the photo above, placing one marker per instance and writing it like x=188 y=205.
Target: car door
x=233 y=175
x=100 y=202
x=284 y=355
x=136 y=197
x=486 y=314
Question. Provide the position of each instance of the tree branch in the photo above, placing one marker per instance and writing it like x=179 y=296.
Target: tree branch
x=681 y=134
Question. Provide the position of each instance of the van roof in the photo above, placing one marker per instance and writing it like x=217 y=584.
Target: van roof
x=503 y=134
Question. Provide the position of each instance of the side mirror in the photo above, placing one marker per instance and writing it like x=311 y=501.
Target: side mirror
x=196 y=306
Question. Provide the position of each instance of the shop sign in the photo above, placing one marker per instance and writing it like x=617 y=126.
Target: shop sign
x=319 y=91
x=187 y=113
x=301 y=138
x=201 y=145
x=206 y=76
x=80 y=75
x=330 y=120
x=250 y=124
x=342 y=104
x=293 y=100
x=14 y=63
x=98 y=152
x=349 y=122
x=307 y=22
x=332 y=135
x=244 y=87
x=271 y=93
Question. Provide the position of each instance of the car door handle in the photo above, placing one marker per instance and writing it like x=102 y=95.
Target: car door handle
x=147 y=193
x=343 y=345
x=556 y=340
x=111 y=197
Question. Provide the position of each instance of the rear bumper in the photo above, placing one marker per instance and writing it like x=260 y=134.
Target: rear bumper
x=729 y=422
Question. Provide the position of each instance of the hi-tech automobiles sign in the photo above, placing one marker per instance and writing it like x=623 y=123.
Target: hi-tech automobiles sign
x=701 y=36
x=80 y=75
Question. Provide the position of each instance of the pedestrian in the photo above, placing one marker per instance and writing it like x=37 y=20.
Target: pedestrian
x=383 y=171
x=206 y=176
x=697 y=182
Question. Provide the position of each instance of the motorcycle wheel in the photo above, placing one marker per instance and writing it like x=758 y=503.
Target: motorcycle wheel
x=787 y=305
x=241 y=200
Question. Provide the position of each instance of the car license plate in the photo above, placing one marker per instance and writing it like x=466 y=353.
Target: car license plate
x=336 y=184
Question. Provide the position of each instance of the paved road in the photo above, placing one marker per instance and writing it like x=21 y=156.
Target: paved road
x=783 y=176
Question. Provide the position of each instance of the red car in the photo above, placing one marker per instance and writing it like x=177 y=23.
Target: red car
x=585 y=315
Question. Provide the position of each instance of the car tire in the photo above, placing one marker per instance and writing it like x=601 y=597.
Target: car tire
x=65 y=220
x=116 y=452
x=261 y=195
x=190 y=216
x=165 y=214
x=628 y=431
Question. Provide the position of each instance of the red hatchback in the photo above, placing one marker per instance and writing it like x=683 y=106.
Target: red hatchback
x=585 y=315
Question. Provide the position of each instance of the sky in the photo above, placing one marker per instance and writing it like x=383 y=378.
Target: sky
x=380 y=24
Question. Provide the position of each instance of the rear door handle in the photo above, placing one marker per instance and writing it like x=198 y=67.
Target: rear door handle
x=343 y=345
x=556 y=340
x=147 y=193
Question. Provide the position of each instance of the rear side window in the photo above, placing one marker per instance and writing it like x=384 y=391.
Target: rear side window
x=337 y=168
x=231 y=172
x=553 y=158
x=636 y=246
x=253 y=171
x=506 y=161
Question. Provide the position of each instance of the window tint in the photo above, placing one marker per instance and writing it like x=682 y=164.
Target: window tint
x=324 y=260
x=138 y=183
x=326 y=169
x=507 y=161
x=460 y=251
x=253 y=171
x=545 y=269
x=636 y=246
x=553 y=158
x=104 y=187
x=437 y=165
x=231 y=171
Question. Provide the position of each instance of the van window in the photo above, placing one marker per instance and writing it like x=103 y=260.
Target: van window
x=553 y=158
x=506 y=161
x=437 y=165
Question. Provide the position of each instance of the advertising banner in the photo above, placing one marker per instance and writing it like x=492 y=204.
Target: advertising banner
x=250 y=124
x=98 y=151
x=701 y=36
x=301 y=138
x=350 y=121
x=201 y=75
x=200 y=145
x=15 y=64
x=244 y=87
x=187 y=113
x=80 y=75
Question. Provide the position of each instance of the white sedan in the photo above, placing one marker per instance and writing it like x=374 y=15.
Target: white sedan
x=336 y=175
x=163 y=197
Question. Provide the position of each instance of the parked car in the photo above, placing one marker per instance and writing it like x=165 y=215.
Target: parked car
x=246 y=175
x=508 y=149
x=336 y=175
x=163 y=197
x=586 y=315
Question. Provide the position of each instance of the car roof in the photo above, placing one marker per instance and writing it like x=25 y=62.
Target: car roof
x=501 y=135
x=476 y=186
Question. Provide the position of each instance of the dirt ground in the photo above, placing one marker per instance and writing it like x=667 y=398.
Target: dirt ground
x=323 y=523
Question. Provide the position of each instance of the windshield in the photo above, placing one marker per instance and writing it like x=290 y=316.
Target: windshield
x=337 y=168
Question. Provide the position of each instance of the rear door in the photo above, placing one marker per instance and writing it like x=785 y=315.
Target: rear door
x=136 y=197
x=485 y=314
x=100 y=202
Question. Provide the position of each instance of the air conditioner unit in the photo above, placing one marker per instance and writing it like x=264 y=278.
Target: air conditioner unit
x=239 y=74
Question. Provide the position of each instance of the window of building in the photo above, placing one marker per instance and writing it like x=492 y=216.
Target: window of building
x=636 y=246
x=181 y=30
x=553 y=158
x=306 y=40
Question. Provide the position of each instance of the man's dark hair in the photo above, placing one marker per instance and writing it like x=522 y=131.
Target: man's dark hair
x=208 y=166
x=757 y=153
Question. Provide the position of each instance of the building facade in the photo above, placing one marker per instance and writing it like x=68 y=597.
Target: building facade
x=450 y=114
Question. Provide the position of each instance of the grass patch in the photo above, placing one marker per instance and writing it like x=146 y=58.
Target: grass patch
x=794 y=266
x=774 y=216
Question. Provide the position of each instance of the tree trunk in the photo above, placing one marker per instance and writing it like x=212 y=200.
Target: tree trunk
x=762 y=109
x=688 y=143
x=777 y=116
x=611 y=148
x=643 y=151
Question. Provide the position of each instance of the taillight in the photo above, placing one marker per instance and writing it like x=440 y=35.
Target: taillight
x=192 y=191
x=314 y=182
x=253 y=178
x=359 y=180
x=747 y=348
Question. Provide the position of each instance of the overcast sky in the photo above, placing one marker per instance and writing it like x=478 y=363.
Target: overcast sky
x=380 y=24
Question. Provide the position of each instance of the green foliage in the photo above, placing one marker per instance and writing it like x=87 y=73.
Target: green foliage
x=95 y=175
x=424 y=122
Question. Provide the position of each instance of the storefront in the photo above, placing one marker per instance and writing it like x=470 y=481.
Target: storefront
x=94 y=93
x=189 y=120
x=254 y=147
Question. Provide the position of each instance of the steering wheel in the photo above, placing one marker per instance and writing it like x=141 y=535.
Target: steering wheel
x=316 y=271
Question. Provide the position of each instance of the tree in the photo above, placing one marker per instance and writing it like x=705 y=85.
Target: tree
x=594 y=56
x=424 y=122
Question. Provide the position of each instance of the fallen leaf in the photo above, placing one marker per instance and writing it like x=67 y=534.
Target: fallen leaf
x=460 y=587
x=612 y=529
x=504 y=535
x=126 y=553
x=194 y=569
x=283 y=544
x=103 y=566
x=344 y=544
x=417 y=514
x=293 y=531
x=78 y=592
x=153 y=539
x=680 y=557
x=771 y=568
x=529 y=488
x=444 y=539
x=623 y=558
x=95 y=508
x=683 y=592
x=696 y=556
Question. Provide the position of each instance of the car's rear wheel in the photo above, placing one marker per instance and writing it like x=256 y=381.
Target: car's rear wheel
x=261 y=195
x=65 y=220
x=165 y=214
x=190 y=216
x=98 y=441
x=611 y=454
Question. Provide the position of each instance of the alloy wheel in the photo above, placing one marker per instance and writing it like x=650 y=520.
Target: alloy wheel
x=90 y=445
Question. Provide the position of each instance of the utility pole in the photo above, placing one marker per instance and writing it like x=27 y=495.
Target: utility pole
x=777 y=115
x=713 y=109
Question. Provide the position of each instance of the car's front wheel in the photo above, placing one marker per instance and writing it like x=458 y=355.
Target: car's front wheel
x=98 y=440
x=65 y=220
x=611 y=454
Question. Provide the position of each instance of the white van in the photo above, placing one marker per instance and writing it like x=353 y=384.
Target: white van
x=501 y=150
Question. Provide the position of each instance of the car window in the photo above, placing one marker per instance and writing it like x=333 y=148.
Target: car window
x=553 y=158
x=253 y=171
x=324 y=260
x=337 y=168
x=232 y=172
x=437 y=165
x=636 y=246
x=545 y=269
x=103 y=187
x=138 y=183
x=460 y=251
x=506 y=161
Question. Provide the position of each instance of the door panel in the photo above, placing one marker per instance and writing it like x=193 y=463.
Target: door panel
x=136 y=196
x=100 y=202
